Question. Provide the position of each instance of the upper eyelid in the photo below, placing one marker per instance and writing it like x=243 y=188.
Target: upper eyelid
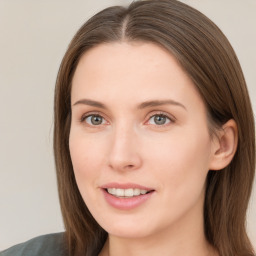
x=91 y=113
x=148 y=116
x=171 y=117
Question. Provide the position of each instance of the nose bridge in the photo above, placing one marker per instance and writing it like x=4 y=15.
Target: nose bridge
x=124 y=153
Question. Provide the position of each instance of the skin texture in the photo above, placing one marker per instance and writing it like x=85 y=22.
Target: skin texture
x=130 y=147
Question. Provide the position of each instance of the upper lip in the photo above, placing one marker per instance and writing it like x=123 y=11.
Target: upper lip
x=125 y=186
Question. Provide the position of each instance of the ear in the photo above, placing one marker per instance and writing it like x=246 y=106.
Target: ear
x=224 y=146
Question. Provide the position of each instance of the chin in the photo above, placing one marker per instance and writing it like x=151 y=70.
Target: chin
x=128 y=232
x=128 y=227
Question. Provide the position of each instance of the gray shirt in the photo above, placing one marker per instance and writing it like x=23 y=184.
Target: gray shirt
x=47 y=245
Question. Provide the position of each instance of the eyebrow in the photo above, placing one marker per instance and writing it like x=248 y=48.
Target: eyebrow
x=89 y=102
x=156 y=103
x=146 y=104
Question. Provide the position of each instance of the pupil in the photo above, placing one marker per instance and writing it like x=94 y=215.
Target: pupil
x=96 y=120
x=160 y=120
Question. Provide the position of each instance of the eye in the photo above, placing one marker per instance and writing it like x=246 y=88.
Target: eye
x=159 y=119
x=94 y=120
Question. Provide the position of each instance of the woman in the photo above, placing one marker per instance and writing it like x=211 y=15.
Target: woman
x=167 y=170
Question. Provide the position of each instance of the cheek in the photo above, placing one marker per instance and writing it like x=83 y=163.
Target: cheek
x=181 y=167
x=87 y=156
x=182 y=160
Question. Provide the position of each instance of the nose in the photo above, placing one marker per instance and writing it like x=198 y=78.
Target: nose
x=124 y=151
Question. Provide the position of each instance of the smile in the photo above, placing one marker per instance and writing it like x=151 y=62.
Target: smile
x=127 y=193
x=126 y=196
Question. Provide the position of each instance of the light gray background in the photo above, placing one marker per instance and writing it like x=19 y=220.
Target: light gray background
x=33 y=38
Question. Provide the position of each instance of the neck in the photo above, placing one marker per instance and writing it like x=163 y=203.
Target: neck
x=129 y=247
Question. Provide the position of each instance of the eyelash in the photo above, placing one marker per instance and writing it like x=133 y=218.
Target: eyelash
x=95 y=114
x=158 y=113
x=169 y=118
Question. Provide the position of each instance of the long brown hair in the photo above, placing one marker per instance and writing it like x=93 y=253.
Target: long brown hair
x=208 y=58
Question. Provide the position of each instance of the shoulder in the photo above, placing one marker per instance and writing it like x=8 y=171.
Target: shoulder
x=46 y=245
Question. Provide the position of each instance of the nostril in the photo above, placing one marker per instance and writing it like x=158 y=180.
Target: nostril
x=129 y=167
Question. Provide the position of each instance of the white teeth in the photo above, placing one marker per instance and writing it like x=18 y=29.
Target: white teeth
x=136 y=192
x=130 y=192
x=143 y=192
x=111 y=191
x=119 y=192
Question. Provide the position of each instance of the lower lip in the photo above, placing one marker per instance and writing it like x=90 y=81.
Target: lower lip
x=126 y=203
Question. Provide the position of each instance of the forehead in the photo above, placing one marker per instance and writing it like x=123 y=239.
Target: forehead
x=135 y=71
x=127 y=57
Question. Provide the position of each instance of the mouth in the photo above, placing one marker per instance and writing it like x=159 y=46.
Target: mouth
x=127 y=193
x=126 y=196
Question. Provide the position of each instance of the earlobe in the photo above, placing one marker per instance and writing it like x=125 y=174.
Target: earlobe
x=224 y=146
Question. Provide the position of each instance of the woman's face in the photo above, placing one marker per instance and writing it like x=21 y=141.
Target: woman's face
x=138 y=126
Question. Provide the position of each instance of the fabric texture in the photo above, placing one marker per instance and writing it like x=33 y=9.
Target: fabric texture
x=46 y=245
